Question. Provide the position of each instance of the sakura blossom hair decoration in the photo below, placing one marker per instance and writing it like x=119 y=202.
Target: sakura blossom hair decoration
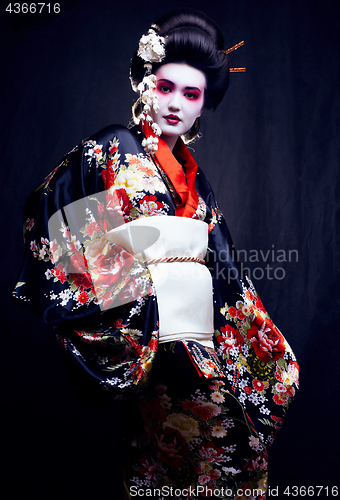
x=149 y=100
x=151 y=49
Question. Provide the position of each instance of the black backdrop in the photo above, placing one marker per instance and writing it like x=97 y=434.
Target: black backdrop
x=271 y=153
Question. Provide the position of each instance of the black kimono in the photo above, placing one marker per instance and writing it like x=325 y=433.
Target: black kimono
x=208 y=415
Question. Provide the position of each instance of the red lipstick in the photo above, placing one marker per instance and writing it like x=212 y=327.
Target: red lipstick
x=172 y=119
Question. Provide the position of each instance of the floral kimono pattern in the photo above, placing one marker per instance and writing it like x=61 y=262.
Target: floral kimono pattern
x=103 y=304
x=194 y=437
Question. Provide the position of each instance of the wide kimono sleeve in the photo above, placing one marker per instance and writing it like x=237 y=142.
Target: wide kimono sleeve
x=258 y=361
x=99 y=296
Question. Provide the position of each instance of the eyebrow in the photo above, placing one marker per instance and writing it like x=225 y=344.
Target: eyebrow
x=172 y=83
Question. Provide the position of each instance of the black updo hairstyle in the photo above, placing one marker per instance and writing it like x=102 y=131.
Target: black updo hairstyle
x=192 y=38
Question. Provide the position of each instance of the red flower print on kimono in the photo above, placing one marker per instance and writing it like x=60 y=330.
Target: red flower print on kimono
x=151 y=471
x=58 y=273
x=289 y=375
x=170 y=446
x=266 y=340
x=280 y=399
x=150 y=206
x=92 y=228
x=110 y=268
x=83 y=297
x=153 y=344
x=116 y=203
x=108 y=175
x=210 y=452
x=131 y=291
x=259 y=386
x=152 y=411
x=259 y=461
x=78 y=270
x=230 y=338
x=203 y=410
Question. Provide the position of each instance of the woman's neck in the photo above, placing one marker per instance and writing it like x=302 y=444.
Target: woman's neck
x=170 y=140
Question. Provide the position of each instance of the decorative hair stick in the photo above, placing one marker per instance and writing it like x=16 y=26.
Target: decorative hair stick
x=235 y=47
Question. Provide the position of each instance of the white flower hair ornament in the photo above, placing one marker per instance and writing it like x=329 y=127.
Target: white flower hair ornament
x=151 y=49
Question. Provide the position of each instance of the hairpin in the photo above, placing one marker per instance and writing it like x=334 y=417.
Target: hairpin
x=235 y=70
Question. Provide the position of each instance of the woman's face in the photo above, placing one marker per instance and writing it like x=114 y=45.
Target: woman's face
x=180 y=89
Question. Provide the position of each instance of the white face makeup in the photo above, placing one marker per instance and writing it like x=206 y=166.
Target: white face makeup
x=180 y=89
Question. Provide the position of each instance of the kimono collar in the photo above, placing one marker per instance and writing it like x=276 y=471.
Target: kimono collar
x=181 y=169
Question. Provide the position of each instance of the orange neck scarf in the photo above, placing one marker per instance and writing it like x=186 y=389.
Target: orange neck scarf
x=181 y=169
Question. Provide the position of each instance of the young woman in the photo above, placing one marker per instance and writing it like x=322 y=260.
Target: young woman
x=129 y=256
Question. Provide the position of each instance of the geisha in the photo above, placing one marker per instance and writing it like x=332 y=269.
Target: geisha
x=123 y=245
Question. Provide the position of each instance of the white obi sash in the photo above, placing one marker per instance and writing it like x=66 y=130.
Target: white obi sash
x=184 y=289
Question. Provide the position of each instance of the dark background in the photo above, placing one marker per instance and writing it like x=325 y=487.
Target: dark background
x=271 y=153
